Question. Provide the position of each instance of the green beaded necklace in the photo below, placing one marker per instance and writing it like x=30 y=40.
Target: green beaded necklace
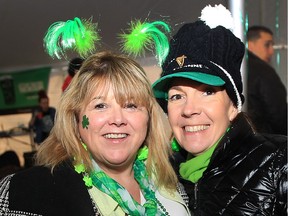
x=107 y=185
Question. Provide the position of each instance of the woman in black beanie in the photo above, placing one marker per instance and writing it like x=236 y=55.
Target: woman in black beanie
x=226 y=167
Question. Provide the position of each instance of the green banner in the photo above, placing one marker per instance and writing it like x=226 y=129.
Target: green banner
x=18 y=90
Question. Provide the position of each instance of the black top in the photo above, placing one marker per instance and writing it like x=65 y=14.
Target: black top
x=38 y=192
x=267 y=97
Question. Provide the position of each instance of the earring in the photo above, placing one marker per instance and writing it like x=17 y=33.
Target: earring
x=174 y=145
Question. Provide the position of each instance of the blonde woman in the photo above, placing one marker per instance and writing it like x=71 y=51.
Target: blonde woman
x=107 y=153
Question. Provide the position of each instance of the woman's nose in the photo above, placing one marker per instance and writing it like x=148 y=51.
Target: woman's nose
x=192 y=106
x=118 y=117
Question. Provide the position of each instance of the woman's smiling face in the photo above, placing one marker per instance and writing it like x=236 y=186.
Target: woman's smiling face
x=113 y=133
x=199 y=114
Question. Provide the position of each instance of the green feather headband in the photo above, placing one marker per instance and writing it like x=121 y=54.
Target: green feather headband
x=143 y=35
x=72 y=34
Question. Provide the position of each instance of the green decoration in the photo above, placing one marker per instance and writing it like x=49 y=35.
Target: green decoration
x=142 y=153
x=83 y=144
x=73 y=34
x=174 y=145
x=142 y=36
x=85 y=122
x=109 y=186
x=79 y=168
x=88 y=181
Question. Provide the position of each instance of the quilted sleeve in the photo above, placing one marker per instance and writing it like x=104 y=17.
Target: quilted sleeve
x=282 y=187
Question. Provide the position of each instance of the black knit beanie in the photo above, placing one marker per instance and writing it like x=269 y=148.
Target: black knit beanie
x=208 y=55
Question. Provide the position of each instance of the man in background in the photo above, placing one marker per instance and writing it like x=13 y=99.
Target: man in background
x=266 y=94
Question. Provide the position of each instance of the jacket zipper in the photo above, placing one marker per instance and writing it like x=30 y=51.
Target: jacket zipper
x=195 y=195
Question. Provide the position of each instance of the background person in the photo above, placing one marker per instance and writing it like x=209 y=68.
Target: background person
x=225 y=166
x=42 y=119
x=107 y=153
x=73 y=68
x=266 y=94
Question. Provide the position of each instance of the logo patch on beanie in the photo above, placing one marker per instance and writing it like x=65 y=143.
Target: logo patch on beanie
x=180 y=60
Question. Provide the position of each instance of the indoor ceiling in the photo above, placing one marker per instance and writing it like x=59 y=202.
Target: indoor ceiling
x=23 y=23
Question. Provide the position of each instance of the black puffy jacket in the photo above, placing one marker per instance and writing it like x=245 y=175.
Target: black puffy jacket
x=247 y=175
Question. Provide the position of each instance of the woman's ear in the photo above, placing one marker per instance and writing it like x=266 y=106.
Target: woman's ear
x=233 y=112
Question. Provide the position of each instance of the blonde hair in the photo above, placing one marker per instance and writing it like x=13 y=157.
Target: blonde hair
x=129 y=82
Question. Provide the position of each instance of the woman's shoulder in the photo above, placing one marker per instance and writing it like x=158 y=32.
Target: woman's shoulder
x=43 y=192
x=279 y=145
x=25 y=179
x=31 y=180
x=24 y=189
x=268 y=149
x=42 y=178
x=274 y=142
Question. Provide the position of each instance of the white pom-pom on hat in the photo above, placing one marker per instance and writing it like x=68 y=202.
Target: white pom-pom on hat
x=217 y=16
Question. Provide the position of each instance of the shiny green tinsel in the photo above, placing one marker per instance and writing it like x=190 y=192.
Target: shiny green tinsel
x=72 y=34
x=146 y=36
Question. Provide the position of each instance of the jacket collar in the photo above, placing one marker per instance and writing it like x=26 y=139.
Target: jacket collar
x=233 y=140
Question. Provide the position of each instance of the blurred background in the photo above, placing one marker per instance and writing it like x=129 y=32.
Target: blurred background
x=24 y=23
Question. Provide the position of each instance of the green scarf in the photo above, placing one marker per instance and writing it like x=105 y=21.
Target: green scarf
x=109 y=186
x=194 y=168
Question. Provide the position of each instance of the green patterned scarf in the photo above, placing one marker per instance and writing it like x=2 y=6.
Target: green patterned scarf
x=109 y=186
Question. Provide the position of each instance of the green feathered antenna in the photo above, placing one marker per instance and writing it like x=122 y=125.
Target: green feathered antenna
x=78 y=35
x=146 y=36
